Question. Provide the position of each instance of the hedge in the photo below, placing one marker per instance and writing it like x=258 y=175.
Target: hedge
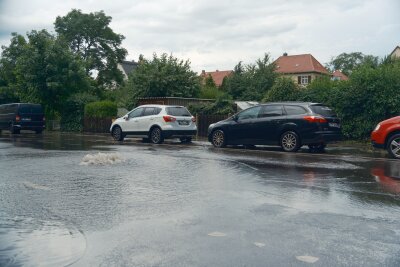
x=101 y=109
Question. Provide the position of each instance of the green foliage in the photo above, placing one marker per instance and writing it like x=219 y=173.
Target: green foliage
x=101 y=109
x=90 y=37
x=222 y=106
x=72 y=111
x=284 y=89
x=209 y=89
x=370 y=96
x=42 y=70
x=347 y=63
x=251 y=82
x=160 y=77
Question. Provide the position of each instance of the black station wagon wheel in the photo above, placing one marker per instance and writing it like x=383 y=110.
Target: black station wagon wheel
x=218 y=138
x=393 y=146
x=290 y=141
x=117 y=134
x=156 y=136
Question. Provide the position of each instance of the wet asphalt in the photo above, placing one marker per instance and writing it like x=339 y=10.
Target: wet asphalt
x=84 y=200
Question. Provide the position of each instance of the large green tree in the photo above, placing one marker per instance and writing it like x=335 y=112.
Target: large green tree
x=43 y=70
x=348 y=62
x=251 y=82
x=90 y=36
x=160 y=77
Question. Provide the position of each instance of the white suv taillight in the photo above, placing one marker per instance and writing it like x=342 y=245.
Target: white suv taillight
x=169 y=118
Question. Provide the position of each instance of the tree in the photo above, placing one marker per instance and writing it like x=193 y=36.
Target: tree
x=209 y=89
x=90 y=37
x=46 y=72
x=160 y=77
x=251 y=82
x=284 y=89
x=347 y=63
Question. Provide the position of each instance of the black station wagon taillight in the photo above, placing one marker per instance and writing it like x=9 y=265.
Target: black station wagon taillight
x=315 y=119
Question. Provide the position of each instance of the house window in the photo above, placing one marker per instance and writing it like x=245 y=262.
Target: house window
x=304 y=80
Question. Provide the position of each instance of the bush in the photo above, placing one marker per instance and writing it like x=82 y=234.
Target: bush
x=73 y=110
x=222 y=106
x=101 y=109
x=284 y=89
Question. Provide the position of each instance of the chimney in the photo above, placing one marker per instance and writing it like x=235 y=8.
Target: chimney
x=285 y=54
x=216 y=70
x=203 y=72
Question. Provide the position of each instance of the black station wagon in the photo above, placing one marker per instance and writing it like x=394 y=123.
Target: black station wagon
x=287 y=124
x=22 y=116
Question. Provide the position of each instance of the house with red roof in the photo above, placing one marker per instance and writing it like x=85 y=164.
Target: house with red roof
x=218 y=76
x=337 y=75
x=301 y=68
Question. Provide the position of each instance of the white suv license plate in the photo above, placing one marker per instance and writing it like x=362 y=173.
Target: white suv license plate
x=334 y=125
x=183 y=122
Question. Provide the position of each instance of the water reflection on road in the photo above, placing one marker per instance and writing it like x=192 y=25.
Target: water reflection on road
x=86 y=200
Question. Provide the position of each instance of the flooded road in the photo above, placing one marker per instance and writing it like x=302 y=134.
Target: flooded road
x=83 y=200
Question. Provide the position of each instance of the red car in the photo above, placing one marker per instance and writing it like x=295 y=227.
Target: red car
x=387 y=136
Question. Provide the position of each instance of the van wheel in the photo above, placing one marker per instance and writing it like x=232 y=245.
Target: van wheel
x=117 y=134
x=156 y=136
x=394 y=146
x=290 y=141
x=14 y=130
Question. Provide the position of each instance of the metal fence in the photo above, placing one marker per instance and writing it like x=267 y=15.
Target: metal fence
x=203 y=121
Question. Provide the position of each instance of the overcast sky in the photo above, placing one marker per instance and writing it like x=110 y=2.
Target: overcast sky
x=218 y=34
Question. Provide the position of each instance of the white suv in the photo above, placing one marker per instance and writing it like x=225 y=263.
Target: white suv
x=155 y=123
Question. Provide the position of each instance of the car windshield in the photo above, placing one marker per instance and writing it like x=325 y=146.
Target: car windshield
x=323 y=111
x=178 y=111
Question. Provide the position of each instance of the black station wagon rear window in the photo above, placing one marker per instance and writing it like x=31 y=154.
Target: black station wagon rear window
x=295 y=110
x=323 y=111
x=178 y=111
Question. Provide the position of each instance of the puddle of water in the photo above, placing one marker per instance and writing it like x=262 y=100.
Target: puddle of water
x=217 y=234
x=259 y=244
x=307 y=259
x=31 y=242
x=102 y=159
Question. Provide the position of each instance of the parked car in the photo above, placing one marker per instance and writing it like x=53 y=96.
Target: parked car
x=287 y=124
x=386 y=135
x=22 y=116
x=156 y=123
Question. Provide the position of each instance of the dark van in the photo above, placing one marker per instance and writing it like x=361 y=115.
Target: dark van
x=22 y=116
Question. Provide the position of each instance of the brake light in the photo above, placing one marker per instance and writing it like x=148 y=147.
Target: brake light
x=169 y=118
x=17 y=118
x=314 y=119
x=193 y=119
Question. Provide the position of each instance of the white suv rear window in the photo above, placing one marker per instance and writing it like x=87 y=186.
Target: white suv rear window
x=178 y=111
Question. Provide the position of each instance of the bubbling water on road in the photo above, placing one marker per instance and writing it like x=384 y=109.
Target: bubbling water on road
x=102 y=159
